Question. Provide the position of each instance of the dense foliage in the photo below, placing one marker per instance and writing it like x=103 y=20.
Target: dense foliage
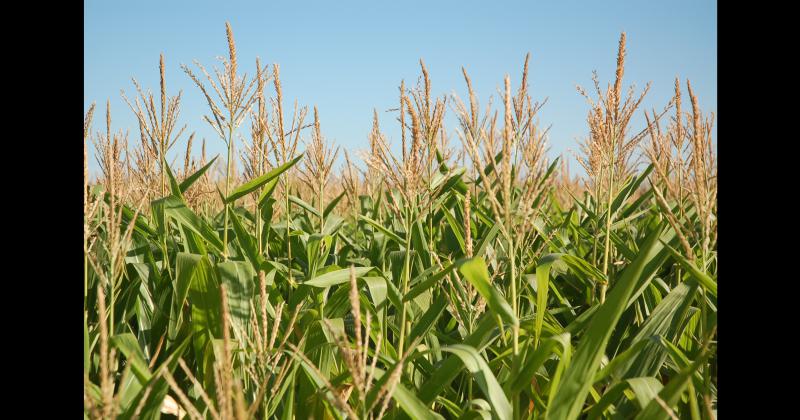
x=477 y=282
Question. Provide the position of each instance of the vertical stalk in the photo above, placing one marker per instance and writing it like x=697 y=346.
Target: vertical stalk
x=515 y=308
x=680 y=195
x=163 y=169
x=430 y=203
x=163 y=163
x=406 y=275
x=512 y=256
x=321 y=228
x=321 y=199
x=166 y=219
x=604 y=286
x=85 y=207
x=597 y=211
x=85 y=245
x=694 y=411
x=85 y=274
x=288 y=241
x=111 y=231
x=227 y=191
x=257 y=215
x=703 y=320
x=112 y=282
x=257 y=211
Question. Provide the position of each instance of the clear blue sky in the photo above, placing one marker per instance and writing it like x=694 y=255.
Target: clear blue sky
x=348 y=57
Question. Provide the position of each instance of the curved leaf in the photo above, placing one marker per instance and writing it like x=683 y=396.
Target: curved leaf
x=336 y=277
x=475 y=271
x=255 y=183
x=480 y=370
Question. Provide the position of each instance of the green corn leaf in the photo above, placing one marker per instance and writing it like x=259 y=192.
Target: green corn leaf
x=383 y=230
x=176 y=209
x=543 y=285
x=256 y=183
x=173 y=183
x=671 y=393
x=330 y=206
x=486 y=380
x=704 y=279
x=452 y=366
x=570 y=396
x=336 y=277
x=191 y=179
x=475 y=271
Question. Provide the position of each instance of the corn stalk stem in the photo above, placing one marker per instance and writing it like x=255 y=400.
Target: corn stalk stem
x=512 y=256
x=288 y=217
x=227 y=192
x=406 y=276
x=85 y=276
x=321 y=199
x=257 y=215
x=163 y=163
x=604 y=286
x=163 y=169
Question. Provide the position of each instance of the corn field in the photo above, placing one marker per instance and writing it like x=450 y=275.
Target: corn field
x=459 y=274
